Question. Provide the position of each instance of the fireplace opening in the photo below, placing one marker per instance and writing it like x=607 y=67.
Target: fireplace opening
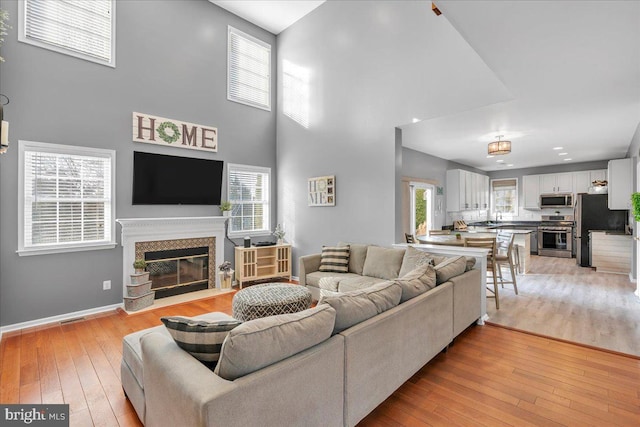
x=178 y=271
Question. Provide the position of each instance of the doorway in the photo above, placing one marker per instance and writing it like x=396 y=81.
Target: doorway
x=421 y=208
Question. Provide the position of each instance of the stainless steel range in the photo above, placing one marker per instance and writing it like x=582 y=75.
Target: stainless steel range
x=555 y=236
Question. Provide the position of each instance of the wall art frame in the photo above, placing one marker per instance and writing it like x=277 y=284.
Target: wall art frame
x=322 y=191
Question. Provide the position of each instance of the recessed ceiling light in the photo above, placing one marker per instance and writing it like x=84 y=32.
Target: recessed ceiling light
x=562 y=154
x=510 y=164
x=557 y=148
x=500 y=161
x=415 y=120
x=566 y=160
x=490 y=156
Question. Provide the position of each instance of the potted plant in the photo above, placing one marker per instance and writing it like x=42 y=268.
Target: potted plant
x=226 y=273
x=635 y=202
x=225 y=207
x=139 y=265
x=279 y=233
x=458 y=236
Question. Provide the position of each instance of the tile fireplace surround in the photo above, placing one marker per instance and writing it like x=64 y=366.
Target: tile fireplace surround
x=139 y=230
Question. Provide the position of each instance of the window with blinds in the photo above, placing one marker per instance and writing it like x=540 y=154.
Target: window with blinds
x=248 y=70
x=67 y=197
x=504 y=196
x=248 y=192
x=80 y=28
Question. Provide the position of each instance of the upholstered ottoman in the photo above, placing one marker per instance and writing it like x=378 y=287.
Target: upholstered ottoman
x=270 y=299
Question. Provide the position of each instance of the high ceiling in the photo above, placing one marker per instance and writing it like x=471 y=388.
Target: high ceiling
x=543 y=74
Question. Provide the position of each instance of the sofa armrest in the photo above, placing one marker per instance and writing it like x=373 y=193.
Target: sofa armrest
x=467 y=299
x=308 y=264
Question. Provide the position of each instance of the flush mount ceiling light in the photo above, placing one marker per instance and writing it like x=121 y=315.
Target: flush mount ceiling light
x=499 y=147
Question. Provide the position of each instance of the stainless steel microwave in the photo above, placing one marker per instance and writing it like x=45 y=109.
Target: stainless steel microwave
x=561 y=200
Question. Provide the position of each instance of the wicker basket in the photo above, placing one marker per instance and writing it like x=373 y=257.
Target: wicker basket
x=139 y=278
x=138 y=303
x=138 y=289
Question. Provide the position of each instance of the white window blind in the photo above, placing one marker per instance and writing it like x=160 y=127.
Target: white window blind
x=505 y=196
x=81 y=28
x=248 y=70
x=68 y=196
x=248 y=190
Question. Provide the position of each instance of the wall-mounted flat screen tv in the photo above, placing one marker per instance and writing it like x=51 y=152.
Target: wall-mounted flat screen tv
x=173 y=180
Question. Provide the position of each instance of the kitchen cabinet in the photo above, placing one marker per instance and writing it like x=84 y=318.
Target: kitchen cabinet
x=610 y=252
x=466 y=191
x=556 y=183
x=531 y=191
x=620 y=177
x=582 y=180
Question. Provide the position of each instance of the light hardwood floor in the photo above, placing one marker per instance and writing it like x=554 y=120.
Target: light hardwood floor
x=491 y=376
x=562 y=300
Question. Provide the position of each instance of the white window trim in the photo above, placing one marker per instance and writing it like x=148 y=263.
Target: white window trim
x=257 y=233
x=516 y=202
x=231 y=30
x=62 y=149
x=22 y=37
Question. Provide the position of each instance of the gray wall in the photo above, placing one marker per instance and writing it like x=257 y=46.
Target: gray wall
x=347 y=137
x=171 y=62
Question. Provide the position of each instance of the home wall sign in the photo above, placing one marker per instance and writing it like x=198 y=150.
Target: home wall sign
x=322 y=191
x=174 y=133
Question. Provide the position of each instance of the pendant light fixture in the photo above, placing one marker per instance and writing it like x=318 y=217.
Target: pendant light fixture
x=499 y=147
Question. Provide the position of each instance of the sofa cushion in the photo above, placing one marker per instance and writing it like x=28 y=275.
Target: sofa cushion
x=357 y=306
x=416 y=282
x=356 y=283
x=313 y=279
x=383 y=263
x=335 y=259
x=329 y=283
x=449 y=268
x=357 y=255
x=200 y=338
x=262 y=342
x=414 y=258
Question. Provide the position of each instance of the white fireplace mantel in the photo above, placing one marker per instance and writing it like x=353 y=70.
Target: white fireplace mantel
x=149 y=229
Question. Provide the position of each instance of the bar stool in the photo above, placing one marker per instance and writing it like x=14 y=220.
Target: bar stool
x=506 y=255
x=490 y=243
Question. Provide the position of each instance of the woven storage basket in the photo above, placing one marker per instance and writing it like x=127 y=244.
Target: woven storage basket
x=138 y=303
x=139 y=289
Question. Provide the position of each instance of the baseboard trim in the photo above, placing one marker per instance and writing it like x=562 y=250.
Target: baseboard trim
x=592 y=347
x=58 y=318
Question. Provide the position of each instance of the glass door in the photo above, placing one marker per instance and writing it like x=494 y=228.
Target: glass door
x=421 y=208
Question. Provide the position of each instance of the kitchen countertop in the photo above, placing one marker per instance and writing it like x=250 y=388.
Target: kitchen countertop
x=614 y=233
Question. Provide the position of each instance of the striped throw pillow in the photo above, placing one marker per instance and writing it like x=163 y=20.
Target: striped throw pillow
x=200 y=338
x=335 y=259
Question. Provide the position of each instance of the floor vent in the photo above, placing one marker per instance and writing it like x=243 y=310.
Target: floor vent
x=75 y=319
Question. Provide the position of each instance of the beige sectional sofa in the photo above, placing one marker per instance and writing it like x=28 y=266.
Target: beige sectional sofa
x=335 y=379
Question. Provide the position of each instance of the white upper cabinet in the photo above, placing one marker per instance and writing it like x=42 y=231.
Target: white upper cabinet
x=531 y=191
x=466 y=191
x=583 y=180
x=556 y=183
x=620 y=177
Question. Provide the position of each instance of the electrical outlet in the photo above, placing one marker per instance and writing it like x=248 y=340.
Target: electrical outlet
x=106 y=285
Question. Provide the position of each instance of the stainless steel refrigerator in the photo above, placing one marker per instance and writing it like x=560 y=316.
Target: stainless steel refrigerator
x=591 y=213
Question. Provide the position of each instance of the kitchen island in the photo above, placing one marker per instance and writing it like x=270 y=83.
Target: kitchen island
x=521 y=240
x=610 y=251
